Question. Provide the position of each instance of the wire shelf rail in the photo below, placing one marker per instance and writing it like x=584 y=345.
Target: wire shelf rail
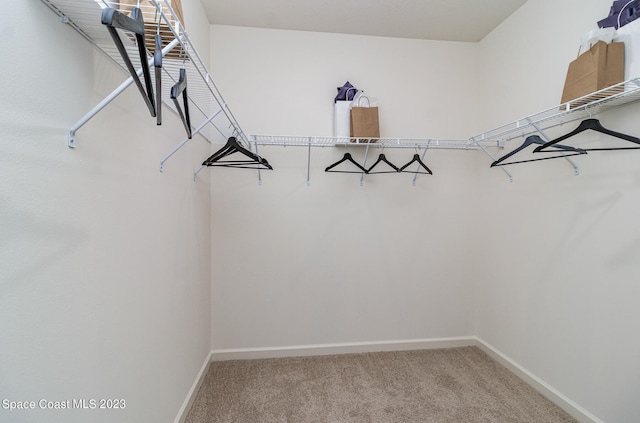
x=212 y=119
x=590 y=105
x=210 y=114
x=579 y=109
x=323 y=141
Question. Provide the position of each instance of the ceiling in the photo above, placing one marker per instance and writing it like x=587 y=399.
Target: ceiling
x=450 y=20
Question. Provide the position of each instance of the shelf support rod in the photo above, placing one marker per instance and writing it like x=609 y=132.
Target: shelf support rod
x=415 y=177
x=259 y=174
x=366 y=153
x=186 y=140
x=493 y=159
x=108 y=99
x=309 y=164
x=197 y=171
x=576 y=169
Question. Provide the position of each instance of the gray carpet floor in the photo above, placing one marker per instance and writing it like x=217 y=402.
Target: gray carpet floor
x=445 y=385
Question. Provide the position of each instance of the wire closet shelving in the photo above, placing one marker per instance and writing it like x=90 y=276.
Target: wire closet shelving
x=210 y=114
x=579 y=109
x=322 y=141
x=212 y=119
x=590 y=105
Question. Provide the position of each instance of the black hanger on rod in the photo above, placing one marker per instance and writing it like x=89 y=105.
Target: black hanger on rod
x=535 y=139
x=232 y=146
x=347 y=158
x=114 y=19
x=181 y=88
x=157 y=63
x=594 y=125
x=416 y=159
x=383 y=159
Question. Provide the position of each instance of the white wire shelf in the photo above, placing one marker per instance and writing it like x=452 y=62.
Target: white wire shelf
x=579 y=109
x=212 y=119
x=322 y=141
x=206 y=104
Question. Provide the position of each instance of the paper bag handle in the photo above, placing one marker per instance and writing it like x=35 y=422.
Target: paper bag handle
x=361 y=97
x=590 y=47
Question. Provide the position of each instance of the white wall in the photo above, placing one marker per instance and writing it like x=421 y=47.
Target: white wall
x=422 y=86
x=544 y=269
x=335 y=262
x=105 y=272
x=559 y=293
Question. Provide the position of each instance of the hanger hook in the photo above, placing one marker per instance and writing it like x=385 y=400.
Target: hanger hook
x=182 y=54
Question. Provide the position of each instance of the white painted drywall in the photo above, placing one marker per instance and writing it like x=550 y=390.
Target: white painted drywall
x=335 y=261
x=104 y=275
x=285 y=81
x=560 y=286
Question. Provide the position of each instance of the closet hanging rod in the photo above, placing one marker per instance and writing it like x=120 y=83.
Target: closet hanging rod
x=545 y=137
x=493 y=159
x=323 y=141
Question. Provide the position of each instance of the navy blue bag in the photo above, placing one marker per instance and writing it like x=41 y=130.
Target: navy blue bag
x=624 y=10
x=346 y=92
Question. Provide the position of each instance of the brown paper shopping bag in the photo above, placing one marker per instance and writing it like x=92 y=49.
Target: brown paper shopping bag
x=597 y=68
x=364 y=121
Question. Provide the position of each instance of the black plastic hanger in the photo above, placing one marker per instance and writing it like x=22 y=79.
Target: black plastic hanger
x=594 y=125
x=416 y=159
x=383 y=159
x=535 y=139
x=347 y=158
x=157 y=63
x=176 y=90
x=114 y=19
x=232 y=146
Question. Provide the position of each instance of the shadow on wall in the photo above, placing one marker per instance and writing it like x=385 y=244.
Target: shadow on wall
x=586 y=217
x=30 y=244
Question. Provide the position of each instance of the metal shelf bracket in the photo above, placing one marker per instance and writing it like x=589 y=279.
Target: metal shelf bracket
x=108 y=99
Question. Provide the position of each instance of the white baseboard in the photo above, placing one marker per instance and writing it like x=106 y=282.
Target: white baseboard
x=346 y=348
x=191 y=395
x=577 y=412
